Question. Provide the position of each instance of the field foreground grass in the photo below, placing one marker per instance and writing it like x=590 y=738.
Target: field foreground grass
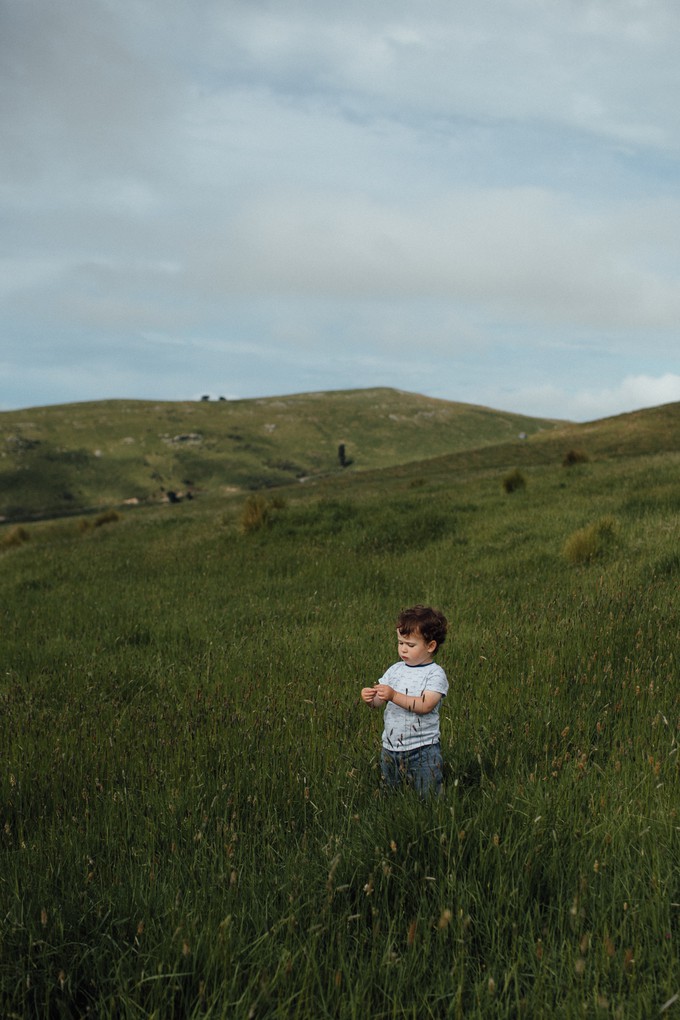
x=191 y=822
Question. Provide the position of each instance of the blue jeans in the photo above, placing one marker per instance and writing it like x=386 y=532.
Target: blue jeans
x=422 y=768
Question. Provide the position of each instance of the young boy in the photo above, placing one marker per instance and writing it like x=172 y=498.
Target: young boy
x=411 y=692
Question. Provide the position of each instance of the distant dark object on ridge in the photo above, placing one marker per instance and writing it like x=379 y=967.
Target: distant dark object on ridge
x=344 y=462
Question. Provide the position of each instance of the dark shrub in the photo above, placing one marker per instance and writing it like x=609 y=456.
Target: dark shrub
x=572 y=457
x=514 y=481
x=107 y=517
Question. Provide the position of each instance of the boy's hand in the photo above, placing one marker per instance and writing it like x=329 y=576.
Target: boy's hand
x=384 y=692
x=368 y=693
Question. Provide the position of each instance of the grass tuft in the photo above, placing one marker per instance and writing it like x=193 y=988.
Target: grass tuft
x=591 y=542
x=514 y=481
x=256 y=514
x=573 y=457
x=17 y=535
x=107 y=517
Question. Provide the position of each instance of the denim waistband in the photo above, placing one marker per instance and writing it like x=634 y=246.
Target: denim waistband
x=412 y=750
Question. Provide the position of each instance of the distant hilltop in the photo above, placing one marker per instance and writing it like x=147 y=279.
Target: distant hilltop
x=67 y=458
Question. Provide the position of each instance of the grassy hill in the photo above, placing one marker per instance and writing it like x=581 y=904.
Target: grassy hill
x=191 y=822
x=61 y=459
x=638 y=434
x=65 y=459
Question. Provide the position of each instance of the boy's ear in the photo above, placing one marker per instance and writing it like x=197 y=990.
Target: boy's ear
x=432 y=647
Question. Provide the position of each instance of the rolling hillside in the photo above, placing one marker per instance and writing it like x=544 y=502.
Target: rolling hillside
x=62 y=459
x=192 y=819
x=66 y=459
x=642 y=433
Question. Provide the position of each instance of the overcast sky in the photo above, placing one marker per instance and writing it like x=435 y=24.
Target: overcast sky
x=472 y=199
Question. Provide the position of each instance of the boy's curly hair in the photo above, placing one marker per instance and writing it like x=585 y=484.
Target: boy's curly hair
x=428 y=622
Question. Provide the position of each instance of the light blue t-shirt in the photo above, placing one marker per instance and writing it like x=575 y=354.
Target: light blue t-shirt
x=404 y=730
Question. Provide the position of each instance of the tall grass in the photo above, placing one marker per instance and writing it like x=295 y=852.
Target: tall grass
x=191 y=822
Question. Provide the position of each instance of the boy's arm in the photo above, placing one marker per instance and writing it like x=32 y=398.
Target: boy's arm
x=421 y=704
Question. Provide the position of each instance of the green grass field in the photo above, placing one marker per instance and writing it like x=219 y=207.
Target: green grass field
x=191 y=822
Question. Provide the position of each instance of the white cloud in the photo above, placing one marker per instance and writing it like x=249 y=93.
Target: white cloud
x=520 y=60
x=554 y=401
x=632 y=392
x=515 y=252
x=283 y=178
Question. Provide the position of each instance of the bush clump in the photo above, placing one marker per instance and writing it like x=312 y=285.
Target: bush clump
x=15 y=536
x=255 y=515
x=573 y=457
x=514 y=481
x=592 y=542
x=107 y=517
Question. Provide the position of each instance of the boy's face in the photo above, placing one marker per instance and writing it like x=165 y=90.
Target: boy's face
x=414 y=650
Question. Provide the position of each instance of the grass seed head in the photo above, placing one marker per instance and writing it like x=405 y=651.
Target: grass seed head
x=445 y=919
